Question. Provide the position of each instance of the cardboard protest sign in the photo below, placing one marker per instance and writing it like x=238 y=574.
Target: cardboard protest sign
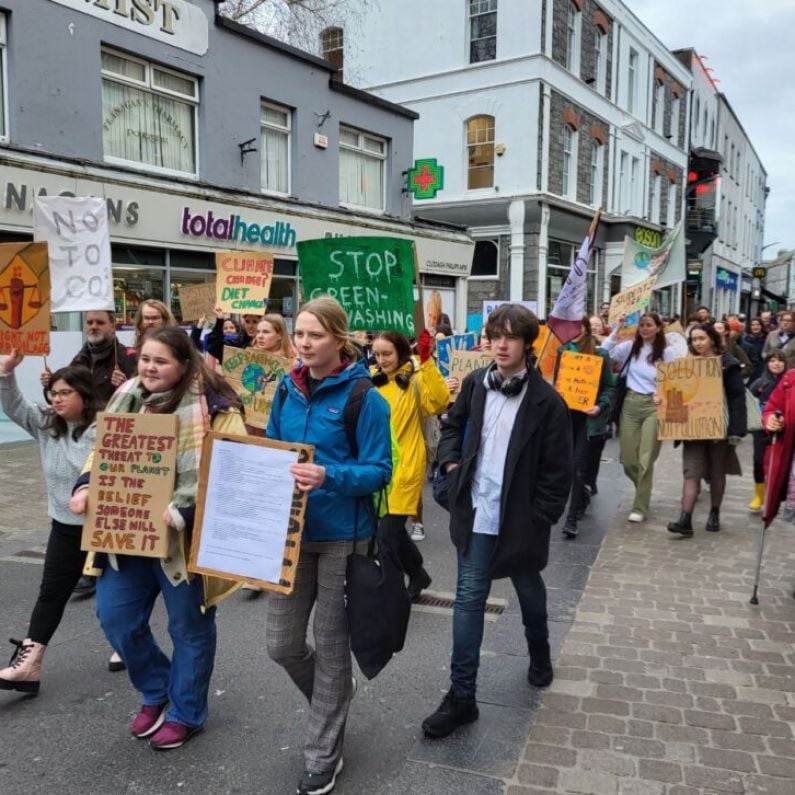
x=196 y=300
x=490 y=306
x=463 y=363
x=446 y=345
x=132 y=482
x=546 y=350
x=254 y=375
x=578 y=379
x=76 y=231
x=243 y=281
x=691 y=389
x=24 y=298
x=632 y=302
x=372 y=277
x=249 y=511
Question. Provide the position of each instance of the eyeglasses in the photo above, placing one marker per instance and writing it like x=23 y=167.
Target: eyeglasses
x=61 y=393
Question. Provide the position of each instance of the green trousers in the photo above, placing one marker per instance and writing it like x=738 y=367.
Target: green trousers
x=639 y=446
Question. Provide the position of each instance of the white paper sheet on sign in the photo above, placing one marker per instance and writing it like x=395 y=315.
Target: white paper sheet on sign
x=76 y=233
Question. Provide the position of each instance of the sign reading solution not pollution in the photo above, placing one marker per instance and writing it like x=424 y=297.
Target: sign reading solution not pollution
x=691 y=389
x=372 y=277
x=132 y=482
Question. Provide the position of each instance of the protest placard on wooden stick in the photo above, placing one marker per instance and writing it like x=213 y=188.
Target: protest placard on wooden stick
x=691 y=389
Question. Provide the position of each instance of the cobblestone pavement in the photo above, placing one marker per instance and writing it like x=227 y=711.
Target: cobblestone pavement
x=669 y=682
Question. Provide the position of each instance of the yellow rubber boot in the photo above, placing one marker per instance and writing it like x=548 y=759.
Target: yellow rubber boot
x=759 y=497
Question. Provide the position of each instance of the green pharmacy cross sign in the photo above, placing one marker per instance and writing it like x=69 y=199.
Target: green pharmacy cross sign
x=425 y=178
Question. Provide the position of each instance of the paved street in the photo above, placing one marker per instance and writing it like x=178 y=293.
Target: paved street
x=668 y=681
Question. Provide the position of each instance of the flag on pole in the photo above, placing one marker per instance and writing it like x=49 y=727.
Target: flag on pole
x=565 y=319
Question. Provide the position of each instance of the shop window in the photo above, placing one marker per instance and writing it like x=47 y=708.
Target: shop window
x=362 y=169
x=131 y=286
x=275 y=148
x=480 y=152
x=560 y=258
x=332 y=50
x=194 y=260
x=482 y=30
x=148 y=115
x=186 y=279
x=3 y=80
x=486 y=260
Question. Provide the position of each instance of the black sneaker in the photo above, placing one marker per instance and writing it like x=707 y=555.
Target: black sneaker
x=452 y=713
x=570 y=529
x=319 y=783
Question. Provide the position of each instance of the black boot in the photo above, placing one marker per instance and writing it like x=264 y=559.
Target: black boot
x=683 y=525
x=713 y=520
x=452 y=713
x=418 y=583
x=540 y=673
x=570 y=528
x=86 y=586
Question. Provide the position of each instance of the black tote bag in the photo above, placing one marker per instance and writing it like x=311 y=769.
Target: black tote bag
x=376 y=602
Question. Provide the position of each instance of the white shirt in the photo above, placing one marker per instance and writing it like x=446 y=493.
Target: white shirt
x=641 y=374
x=499 y=416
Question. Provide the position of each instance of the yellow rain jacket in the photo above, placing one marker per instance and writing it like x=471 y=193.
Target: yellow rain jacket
x=427 y=393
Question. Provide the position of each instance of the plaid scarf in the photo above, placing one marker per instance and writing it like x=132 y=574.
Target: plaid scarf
x=193 y=423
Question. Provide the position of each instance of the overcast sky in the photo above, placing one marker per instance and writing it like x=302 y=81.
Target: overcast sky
x=749 y=44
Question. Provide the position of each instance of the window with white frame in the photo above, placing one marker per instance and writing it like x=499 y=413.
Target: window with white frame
x=148 y=114
x=676 y=104
x=659 y=106
x=634 y=186
x=482 y=30
x=595 y=173
x=3 y=82
x=573 y=20
x=632 y=80
x=656 y=199
x=480 y=152
x=600 y=60
x=569 y=183
x=274 y=148
x=332 y=49
x=670 y=220
x=623 y=185
x=362 y=169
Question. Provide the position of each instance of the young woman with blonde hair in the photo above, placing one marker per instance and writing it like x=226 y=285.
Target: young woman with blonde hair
x=151 y=314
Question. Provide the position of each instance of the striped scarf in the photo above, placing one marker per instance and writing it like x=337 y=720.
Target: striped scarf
x=193 y=423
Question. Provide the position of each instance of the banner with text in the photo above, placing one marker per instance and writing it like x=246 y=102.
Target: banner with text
x=632 y=303
x=254 y=375
x=76 y=231
x=372 y=277
x=196 y=300
x=691 y=389
x=465 y=362
x=578 y=379
x=667 y=263
x=24 y=298
x=132 y=482
x=243 y=281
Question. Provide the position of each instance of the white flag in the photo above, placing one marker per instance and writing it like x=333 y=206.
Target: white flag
x=76 y=233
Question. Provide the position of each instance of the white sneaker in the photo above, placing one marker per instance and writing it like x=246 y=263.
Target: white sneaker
x=417 y=532
x=636 y=516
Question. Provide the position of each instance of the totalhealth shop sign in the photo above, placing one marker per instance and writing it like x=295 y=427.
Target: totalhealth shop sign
x=223 y=227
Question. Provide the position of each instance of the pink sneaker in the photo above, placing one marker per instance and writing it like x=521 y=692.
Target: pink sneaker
x=172 y=735
x=148 y=720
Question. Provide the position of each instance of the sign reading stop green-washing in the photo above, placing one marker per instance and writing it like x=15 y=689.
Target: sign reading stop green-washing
x=372 y=277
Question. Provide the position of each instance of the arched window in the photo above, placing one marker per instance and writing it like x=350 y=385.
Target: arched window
x=331 y=49
x=480 y=152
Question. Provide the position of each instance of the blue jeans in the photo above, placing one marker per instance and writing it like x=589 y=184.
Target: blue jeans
x=125 y=599
x=472 y=590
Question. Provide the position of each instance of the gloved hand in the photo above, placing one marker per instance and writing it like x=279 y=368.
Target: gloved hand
x=734 y=440
x=424 y=343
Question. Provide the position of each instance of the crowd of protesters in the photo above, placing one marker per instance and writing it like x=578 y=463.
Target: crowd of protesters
x=510 y=458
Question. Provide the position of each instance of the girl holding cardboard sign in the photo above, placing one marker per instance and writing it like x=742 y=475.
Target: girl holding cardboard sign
x=65 y=433
x=172 y=379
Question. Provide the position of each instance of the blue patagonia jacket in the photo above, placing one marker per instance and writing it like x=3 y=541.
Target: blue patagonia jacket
x=333 y=509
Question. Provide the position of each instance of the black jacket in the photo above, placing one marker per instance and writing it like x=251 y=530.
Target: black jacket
x=537 y=478
x=125 y=359
x=735 y=396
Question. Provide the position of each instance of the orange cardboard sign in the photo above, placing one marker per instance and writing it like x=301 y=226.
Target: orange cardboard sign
x=132 y=482
x=24 y=298
x=578 y=379
x=243 y=281
x=546 y=349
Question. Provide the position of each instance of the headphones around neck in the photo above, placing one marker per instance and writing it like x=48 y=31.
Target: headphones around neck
x=380 y=378
x=510 y=387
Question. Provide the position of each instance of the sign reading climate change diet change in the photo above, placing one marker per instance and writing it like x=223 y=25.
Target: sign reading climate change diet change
x=372 y=277
x=243 y=281
x=132 y=482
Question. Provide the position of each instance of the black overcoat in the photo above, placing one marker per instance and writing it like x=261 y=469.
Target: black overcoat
x=537 y=476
